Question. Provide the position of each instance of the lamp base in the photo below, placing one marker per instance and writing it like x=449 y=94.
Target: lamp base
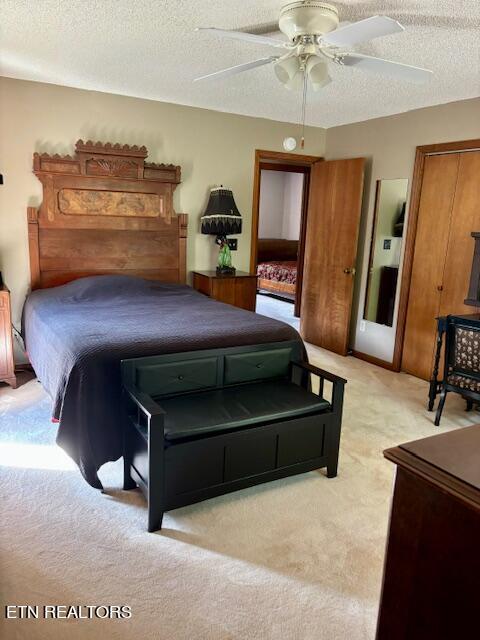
x=226 y=271
x=224 y=267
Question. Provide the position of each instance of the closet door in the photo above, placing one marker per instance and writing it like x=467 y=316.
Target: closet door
x=465 y=219
x=431 y=244
x=334 y=206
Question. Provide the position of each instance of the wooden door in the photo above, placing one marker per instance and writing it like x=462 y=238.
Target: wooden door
x=431 y=244
x=334 y=208
x=465 y=219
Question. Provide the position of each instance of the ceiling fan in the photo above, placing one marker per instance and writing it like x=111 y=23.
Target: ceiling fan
x=315 y=39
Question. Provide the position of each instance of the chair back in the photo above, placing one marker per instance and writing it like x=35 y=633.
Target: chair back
x=462 y=353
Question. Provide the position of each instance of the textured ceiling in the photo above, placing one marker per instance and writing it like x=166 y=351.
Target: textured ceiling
x=148 y=49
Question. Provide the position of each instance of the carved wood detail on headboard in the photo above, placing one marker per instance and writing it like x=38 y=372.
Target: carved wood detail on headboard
x=105 y=210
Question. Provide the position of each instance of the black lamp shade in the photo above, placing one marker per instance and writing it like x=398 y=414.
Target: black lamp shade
x=221 y=217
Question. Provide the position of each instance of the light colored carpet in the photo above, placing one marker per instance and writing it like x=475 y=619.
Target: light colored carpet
x=299 y=558
x=278 y=309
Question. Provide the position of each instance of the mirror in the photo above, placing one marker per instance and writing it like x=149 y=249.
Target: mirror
x=385 y=250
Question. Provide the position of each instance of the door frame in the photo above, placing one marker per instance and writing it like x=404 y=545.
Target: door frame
x=411 y=231
x=281 y=161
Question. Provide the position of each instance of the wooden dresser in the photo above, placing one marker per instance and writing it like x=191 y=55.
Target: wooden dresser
x=7 y=365
x=239 y=290
x=431 y=581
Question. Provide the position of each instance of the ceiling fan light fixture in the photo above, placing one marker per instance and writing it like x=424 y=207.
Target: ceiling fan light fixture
x=289 y=72
x=305 y=18
x=317 y=72
x=296 y=83
x=287 y=68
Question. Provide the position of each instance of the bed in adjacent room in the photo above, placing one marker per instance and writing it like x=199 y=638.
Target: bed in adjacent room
x=107 y=260
x=277 y=266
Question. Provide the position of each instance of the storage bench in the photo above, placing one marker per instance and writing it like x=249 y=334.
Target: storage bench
x=204 y=423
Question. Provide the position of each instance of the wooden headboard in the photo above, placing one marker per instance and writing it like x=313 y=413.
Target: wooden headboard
x=273 y=249
x=105 y=211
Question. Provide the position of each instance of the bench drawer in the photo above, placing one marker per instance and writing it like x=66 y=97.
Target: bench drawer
x=302 y=443
x=193 y=467
x=249 y=456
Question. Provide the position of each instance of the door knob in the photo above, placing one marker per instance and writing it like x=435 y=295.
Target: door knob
x=350 y=270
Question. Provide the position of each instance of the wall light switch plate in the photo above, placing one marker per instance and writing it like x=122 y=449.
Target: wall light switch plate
x=233 y=244
x=363 y=325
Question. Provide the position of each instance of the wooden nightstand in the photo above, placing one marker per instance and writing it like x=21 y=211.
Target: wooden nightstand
x=239 y=290
x=7 y=365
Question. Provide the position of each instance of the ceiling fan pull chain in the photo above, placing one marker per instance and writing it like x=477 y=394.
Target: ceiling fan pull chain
x=304 y=105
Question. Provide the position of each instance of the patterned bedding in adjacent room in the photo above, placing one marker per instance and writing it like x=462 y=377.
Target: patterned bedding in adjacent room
x=278 y=271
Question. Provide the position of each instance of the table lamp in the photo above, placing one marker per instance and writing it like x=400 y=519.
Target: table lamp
x=222 y=218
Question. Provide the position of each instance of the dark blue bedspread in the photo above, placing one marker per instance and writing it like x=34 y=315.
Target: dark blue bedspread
x=77 y=334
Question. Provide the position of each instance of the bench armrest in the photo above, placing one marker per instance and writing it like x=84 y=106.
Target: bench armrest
x=144 y=403
x=321 y=373
x=338 y=383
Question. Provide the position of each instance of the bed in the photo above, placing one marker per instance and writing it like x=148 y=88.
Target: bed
x=107 y=261
x=277 y=265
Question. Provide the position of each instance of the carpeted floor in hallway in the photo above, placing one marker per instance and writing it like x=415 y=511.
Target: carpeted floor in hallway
x=297 y=559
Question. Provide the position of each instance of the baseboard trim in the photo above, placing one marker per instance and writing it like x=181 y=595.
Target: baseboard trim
x=376 y=361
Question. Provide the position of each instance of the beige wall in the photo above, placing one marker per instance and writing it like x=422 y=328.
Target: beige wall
x=271 y=203
x=212 y=148
x=292 y=206
x=280 y=205
x=389 y=146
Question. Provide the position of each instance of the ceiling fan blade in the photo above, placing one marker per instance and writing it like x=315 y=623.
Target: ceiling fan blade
x=246 y=37
x=362 y=31
x=386 y=67
x=239 y=68
x=262 y=29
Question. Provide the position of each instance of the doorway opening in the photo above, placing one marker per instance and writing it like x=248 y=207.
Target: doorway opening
x=327 y=247
x=280 y=206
